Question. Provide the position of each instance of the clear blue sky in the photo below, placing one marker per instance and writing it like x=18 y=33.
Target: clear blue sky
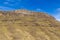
x=50 y=6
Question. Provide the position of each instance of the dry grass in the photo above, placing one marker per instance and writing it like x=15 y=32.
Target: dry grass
x=29 y=27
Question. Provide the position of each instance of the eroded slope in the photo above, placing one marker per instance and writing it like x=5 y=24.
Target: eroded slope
x=28 y=26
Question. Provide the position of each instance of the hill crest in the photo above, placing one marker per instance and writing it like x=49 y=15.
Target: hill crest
x=27 y=25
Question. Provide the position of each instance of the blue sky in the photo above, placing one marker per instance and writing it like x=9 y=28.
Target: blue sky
x=51 y=7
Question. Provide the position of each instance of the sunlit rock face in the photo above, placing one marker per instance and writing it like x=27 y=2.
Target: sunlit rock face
x=28 y=25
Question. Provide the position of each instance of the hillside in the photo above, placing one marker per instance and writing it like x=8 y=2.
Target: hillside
x=28 y=25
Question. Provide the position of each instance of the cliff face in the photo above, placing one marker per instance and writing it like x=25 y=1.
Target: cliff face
x=27 y=25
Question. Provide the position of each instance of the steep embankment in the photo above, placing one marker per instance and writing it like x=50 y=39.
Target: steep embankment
x=27 y=25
